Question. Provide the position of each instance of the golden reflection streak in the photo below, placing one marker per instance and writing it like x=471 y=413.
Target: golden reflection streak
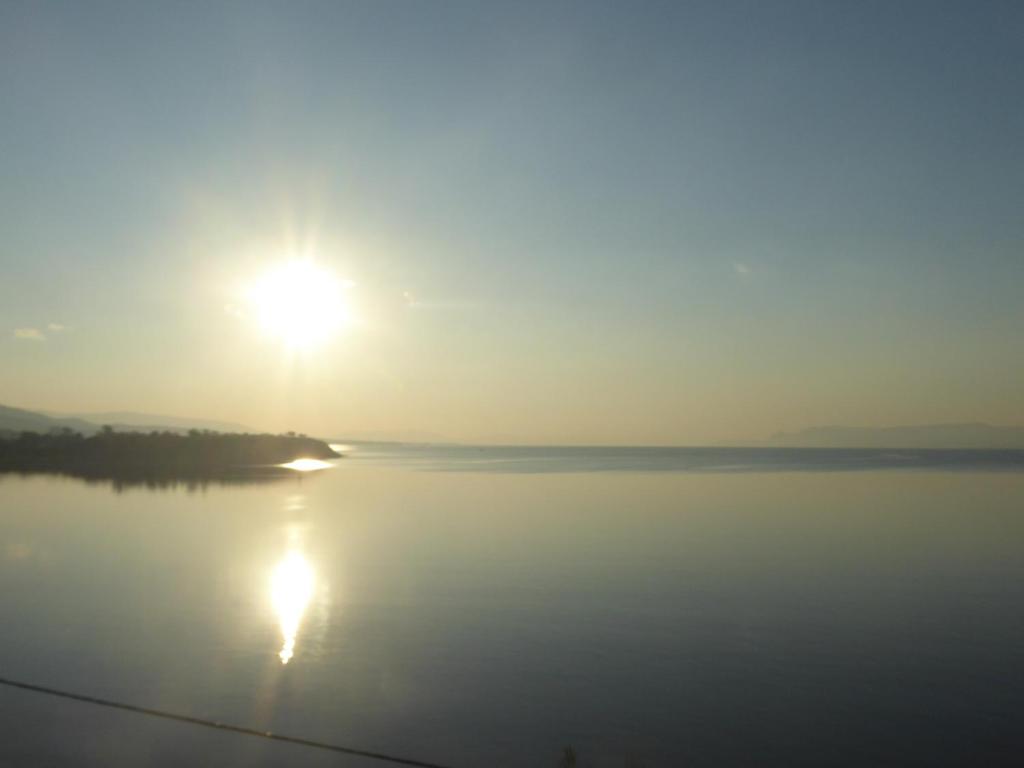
x=291 y=589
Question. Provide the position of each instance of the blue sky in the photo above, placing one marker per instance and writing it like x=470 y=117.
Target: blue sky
x=620 y=222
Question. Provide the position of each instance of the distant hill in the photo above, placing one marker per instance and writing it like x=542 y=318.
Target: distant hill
x=147 y=421
x=923 y=436
x=19 y=420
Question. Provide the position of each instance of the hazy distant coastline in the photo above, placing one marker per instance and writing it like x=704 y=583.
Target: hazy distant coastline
x=14 y=420
x=953 y=436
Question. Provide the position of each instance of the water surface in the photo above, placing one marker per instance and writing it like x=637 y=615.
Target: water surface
x=724 y=613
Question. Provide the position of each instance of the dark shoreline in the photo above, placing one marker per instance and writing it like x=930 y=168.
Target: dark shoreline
x=160 y=459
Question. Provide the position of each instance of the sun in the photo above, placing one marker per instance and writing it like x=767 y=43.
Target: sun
x=300 y=303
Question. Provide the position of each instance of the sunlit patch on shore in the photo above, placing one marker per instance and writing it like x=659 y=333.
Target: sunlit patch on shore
x=307 y=465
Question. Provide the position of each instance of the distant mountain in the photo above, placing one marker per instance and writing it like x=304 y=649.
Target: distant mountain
x=923 y=436
x=19 y=420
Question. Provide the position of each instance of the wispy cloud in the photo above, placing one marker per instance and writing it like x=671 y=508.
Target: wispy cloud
x=29 y=334
x=57 y=327
x=741 y=269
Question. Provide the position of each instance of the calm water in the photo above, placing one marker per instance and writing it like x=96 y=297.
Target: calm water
x=481 y=607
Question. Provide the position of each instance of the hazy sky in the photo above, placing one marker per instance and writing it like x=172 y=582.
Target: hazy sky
x=635 y=222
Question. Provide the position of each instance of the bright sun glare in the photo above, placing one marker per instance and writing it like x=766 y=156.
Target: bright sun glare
x=300 y=303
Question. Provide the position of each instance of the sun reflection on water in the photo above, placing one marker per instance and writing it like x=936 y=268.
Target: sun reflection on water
x=291 y=589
